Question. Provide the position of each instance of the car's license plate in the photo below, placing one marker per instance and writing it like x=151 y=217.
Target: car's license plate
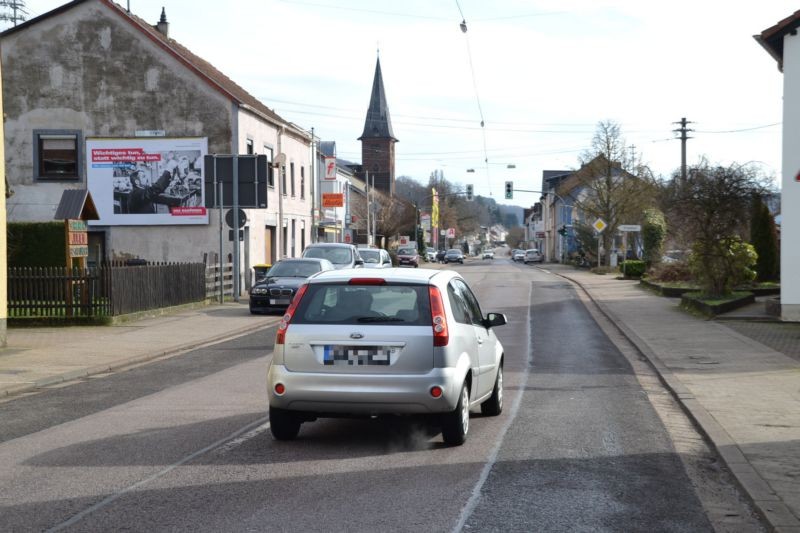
x=280 y=301
x=358 y=355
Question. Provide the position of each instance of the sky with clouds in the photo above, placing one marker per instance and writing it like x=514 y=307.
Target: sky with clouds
x=542 y=74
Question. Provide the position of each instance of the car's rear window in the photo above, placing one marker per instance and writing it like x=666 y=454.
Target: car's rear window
x=396 y=305
x=370 y=256
x=295 y=269
x=336 y=255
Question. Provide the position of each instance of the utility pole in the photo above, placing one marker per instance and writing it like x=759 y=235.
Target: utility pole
x=683 y=130
x=369 y=208
x=13 y=11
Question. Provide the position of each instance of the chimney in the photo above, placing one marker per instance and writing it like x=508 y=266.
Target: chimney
x=163 y=25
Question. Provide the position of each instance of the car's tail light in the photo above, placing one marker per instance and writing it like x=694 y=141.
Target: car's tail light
x=280 y=388
x=436 y=391
x=366 y=281
x=440 y=334
x=280 y=338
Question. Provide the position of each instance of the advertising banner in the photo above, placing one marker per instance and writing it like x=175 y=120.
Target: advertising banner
x=147 y=181
x=332 y=199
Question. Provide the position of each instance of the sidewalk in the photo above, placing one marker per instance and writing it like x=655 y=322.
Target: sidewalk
x=37 y=357
x=744 y=395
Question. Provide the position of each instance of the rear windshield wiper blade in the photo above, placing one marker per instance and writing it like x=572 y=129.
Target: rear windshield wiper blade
x=379 y=319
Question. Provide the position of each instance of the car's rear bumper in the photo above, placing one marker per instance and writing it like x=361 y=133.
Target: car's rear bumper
x=363 y=394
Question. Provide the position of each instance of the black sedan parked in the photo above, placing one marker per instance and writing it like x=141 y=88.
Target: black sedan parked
x=454 y=255
x=276 y=291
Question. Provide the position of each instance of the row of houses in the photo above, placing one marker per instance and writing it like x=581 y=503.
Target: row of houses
x=96 y=97
x=550 y=223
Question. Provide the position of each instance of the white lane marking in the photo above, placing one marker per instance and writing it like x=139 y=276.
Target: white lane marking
x=228 y=446
x=472 y=503
x=113 y=497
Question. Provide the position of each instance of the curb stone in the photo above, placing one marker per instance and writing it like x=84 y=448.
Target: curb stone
x=129 y=361
x=764 y=500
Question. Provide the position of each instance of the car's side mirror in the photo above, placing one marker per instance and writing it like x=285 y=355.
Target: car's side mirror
x=359 y=262
x=495 y=319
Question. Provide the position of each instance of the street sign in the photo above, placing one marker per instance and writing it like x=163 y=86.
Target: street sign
x=347 y=238
x=630 y=227
x=330 y=168
x=404 y=239
x=332 y=199
x=599 y=225
x=451 y=233
x=241 y=215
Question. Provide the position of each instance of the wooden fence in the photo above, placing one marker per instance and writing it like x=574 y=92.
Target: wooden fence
x=109 y=290
x=214 y=277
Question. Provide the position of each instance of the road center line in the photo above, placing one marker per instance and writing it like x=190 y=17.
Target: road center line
x=472 y=503
x=113 y=497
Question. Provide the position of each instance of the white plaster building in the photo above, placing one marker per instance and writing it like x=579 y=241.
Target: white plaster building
x=783 y=44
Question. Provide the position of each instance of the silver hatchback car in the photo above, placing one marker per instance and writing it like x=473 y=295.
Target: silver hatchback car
x=370 y=342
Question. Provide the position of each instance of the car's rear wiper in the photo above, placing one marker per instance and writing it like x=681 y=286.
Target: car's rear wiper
x=379 y=319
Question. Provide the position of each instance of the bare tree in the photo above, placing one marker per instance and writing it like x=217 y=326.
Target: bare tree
x=713 y=207
x=612 y=184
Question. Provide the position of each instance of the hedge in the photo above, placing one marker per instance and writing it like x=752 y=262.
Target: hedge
x=35 y=244
x=633 y=269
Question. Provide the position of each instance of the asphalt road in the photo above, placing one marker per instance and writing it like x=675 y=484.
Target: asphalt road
x=184 y=444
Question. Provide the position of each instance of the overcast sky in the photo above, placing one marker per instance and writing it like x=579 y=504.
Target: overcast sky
x=545 y=73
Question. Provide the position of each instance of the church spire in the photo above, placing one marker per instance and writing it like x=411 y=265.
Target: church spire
x=378 y=124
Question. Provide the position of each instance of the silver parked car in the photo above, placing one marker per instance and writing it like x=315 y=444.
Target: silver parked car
x=533 y=256
x=375 y=258
x=340 y=254
x=370 y=342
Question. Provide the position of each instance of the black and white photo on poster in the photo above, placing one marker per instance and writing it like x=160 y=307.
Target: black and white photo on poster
x=147 y=181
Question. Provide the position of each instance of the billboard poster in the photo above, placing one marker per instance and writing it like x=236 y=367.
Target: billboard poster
x=147 y=181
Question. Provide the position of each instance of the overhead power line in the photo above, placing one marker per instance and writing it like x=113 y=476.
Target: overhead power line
x=13 y=11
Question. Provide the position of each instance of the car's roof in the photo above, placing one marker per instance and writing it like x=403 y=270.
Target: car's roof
x=330 y=245
x=399 y=275
x=302 y=260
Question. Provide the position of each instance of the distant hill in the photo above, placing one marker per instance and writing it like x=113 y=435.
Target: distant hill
x=511 y=210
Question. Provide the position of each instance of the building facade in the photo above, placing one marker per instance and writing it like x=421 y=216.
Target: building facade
x=783 y=43
x=92 y=70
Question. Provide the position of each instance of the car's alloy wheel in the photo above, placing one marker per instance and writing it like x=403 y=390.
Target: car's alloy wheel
x=283 y=424
x=494 y=405
x=455 y=424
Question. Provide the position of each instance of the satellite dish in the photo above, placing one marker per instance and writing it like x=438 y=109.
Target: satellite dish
x=280 y=159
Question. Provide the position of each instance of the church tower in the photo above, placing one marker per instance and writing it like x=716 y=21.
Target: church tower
x=377 y=141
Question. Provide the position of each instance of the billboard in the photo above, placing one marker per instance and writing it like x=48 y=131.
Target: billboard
x=147 y=181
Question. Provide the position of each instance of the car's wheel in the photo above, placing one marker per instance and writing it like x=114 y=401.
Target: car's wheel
x=494 y=405
x=455 y=424
x=283 y=424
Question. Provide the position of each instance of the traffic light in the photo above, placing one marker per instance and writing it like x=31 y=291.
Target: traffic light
x=562 y=231
x=469 y=192
x=509 y=190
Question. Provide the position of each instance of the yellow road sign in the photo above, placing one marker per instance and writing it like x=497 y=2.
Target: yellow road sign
x=599 y=225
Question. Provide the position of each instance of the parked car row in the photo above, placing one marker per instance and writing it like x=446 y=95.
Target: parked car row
x=274 y=291
x=531 y=255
